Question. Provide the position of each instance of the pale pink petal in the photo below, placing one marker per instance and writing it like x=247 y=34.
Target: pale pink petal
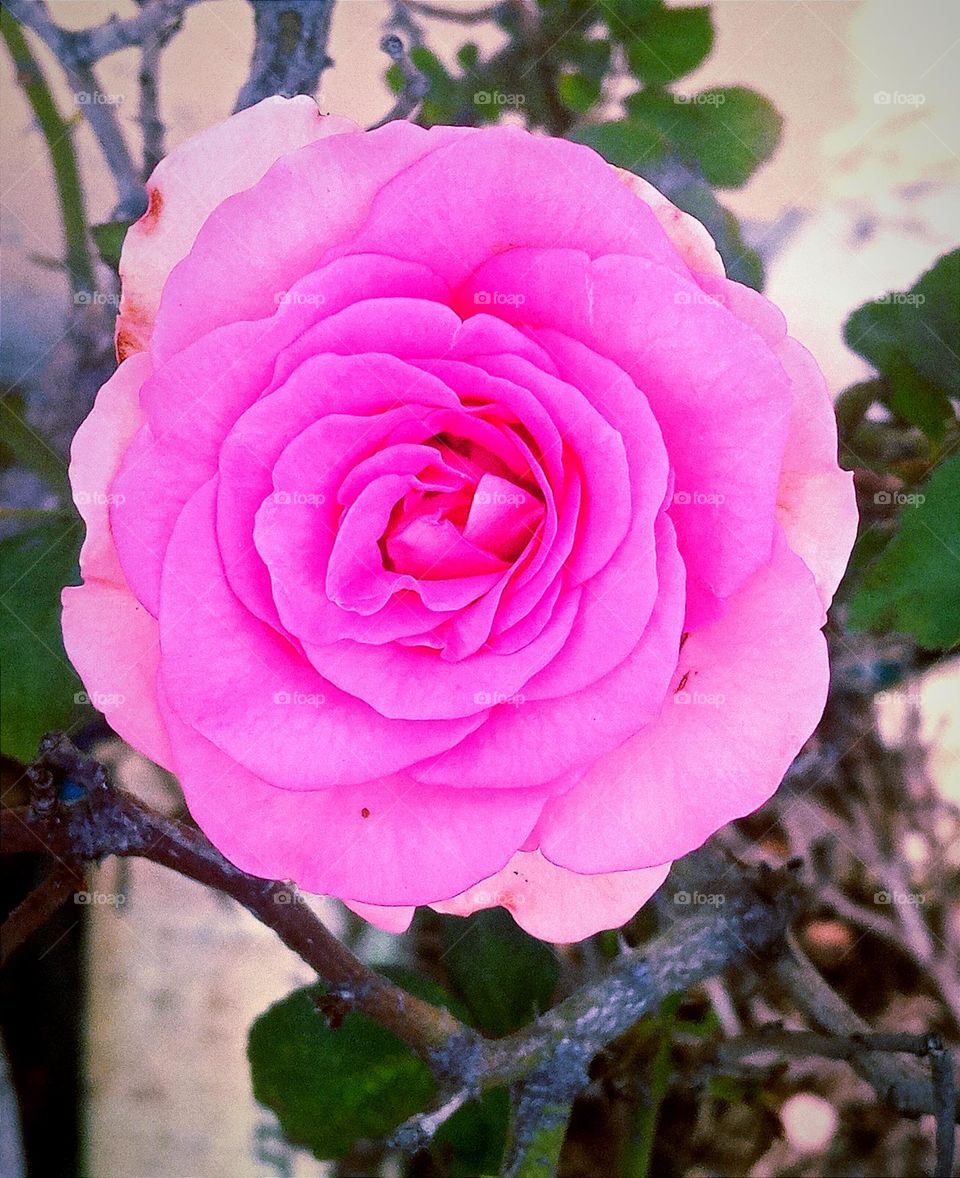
x=555 y=904
x=816 y=501
x=190 y=183
x=390 y=920
x=95 y=455
x=324 y=190
x=688 y=237
x=114 y=643
x=111 y=640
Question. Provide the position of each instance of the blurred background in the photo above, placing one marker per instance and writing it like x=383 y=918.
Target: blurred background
x=134 y=1010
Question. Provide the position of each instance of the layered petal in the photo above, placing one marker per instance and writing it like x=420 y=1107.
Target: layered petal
x=747 y=692
x=184 y=189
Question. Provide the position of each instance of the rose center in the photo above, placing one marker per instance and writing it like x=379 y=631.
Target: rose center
x=468 y=515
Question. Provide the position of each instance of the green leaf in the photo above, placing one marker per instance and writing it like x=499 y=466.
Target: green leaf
x=108 y=238
x=629 y=143
x=914 y=585
x=474 y=1139
x=38 y=685
x=589 y=56
x=20 y=443
x=505 y=976
x=913 y=339
x=666 y=43
x=468 y=55
x=578 y=91
x=727 y=133
x=329 y=1088
x=732 y=131
x=641 y=147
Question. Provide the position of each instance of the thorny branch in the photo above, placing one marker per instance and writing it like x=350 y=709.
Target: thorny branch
x=546 y=1062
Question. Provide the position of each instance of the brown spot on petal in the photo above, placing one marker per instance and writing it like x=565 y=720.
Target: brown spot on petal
x=683 y=638
x=364 y=813
x=148 y=222
x=683 y=682
x=127 y=343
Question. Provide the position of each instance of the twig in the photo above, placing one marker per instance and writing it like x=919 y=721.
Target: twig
x=149 y=118
x=748 y=926
x=546 y=1061
x=86 y=46
x=901 y=1083
x=415 y=84
x=36 y=909
x=107 y=821
x=417 y=1132
x=290 y=49
x=75 y=57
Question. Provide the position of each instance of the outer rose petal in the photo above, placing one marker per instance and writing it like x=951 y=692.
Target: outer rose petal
x=190 y=183
x=755 y=684
x=388 y=841
x=97 y=450
x=689 y=238
x=816 y=501
x=110 y=638
x=554 y=904
x=114 y=643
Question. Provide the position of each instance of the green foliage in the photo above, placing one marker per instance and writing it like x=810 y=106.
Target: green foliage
x=726 y=132
x=473 y=1140
x=662 y=44
x=333 y=1088
x=504 y=976
x=914 y=585
x=108 y=238
x=329 y=1088
x=913 y=339
x=578 y=91
x=640 y=146
x=38 y=685
x=23 y=445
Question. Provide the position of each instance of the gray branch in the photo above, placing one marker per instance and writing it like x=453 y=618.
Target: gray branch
x=86 y=46
x=290 y=49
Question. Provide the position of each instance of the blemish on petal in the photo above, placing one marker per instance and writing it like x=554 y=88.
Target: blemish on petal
x=683 y=682
x=127 y=343
x=148 y=222
x=364 y=813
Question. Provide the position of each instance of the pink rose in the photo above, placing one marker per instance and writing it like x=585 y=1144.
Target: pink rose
x=456 y=532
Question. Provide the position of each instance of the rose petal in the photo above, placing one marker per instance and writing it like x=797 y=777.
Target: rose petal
x=184 y=189
x=252 y=694
x=552 y=903
x=748 y=690
x=388 y=841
